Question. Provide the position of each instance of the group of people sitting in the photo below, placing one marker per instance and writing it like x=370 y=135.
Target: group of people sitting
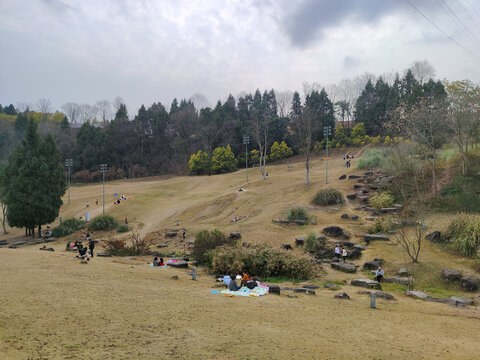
x=158 y=262
x=246 y=280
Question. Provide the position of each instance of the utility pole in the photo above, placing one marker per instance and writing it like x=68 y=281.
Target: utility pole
x=69 y=164
x=103 y=167
x=246 y=140
x=327 y=131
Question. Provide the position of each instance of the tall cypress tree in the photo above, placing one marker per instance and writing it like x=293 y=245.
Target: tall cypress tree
x=34 y=182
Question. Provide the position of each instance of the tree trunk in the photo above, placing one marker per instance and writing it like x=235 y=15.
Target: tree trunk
x=4 y=218
x=434 y=176
x=307 y=165
x=39 y=231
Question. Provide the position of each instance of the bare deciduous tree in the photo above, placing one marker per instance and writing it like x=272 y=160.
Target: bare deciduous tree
x=117 y=102
x=23 y=106
x=104 y=109
x=422 y=70
x=200 y=101
x=88 y=112
x=73 y=111
x=45 y=107
x=410 y=240
x=424 y=123
x=284 y=101
x=308 y=88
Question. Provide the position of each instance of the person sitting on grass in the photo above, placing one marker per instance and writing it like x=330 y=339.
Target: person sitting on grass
x=233 y=286
x=379 y=274
x=245 y=279
x=160 y=262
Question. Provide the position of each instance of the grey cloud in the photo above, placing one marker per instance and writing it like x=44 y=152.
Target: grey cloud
x=350 y=62
x=307 y=22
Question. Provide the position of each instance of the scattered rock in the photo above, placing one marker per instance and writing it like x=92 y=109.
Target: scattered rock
x=50 y=240
x=351 y=196
x=12 y=246
x=330 y=286
x=304 y=290
x=363 y=198
x=463 y=301
x=334 y=231
x=103 y=255
x=451 y=275
x=403 y=273
x=417 y=294
x=342 y=296
x=291 y=296
x=84 y=261
x=321 y=238
x=299 y=241
x=162 y=246
x=366 y=283
x=343 y=177
x=397 y=280
x=388 y=210
x=371 y=218
x=355 y=254
x=3 y=242
x=235 y=235
x=274 y=289
x=171 y=234
x=379 y=294
x=470 y=283
x=178 y=264
x=354 y=177
x=286 y=247
x=309 y=286
x=245 y=244
x=371 y=265
x=345 y=216
x=371 y=237
x=368 y=173
x=47 y=249
x=434 y=236
x=359 y=247
x=174 y=277
x=354 y=217
x=280 y=221
x=345 y=267
x=18 y=243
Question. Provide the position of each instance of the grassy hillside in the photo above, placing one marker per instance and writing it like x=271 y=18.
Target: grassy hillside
x=54 y=307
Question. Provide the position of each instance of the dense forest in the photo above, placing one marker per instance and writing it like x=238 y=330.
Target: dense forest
x=159 y=141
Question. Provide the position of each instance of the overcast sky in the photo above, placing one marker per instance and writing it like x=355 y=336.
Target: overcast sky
x=149 y=51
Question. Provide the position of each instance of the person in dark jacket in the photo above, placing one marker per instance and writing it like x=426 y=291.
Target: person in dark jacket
x=91 y=246
x=233 y=286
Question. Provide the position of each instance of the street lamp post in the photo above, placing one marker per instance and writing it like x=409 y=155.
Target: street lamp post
x=103 y=168
x=246 y=140
x=327 y=131
x=69 y=164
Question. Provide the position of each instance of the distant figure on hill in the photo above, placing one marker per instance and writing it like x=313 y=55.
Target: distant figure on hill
x=88 y=203
x=88 y=236
x=344 y=254
x=233 y=286
x=60 y=220
x=96 y=202
x=184 y=231
x=379 y=274
x=126 y=220
x=337 y=252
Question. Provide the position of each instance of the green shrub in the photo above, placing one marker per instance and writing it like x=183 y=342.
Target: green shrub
x=123 y=228
x=372 y=158
x=297 y=213
x=67 y=227
x=263 y=261
x=382 y=226
x=383 y=199
x=328 y=197
x=464 y=230
x=311 y=243
x=103 y=222
x=208 y=240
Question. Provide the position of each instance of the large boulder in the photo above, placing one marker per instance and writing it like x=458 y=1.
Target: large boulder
x=354 y=176
x=305 y=291
x=470 y=283
x=416 y=294
x=462 y=301
x=397 y=280
x=371 y=237
x=373 y=265
x=299 y=241
x=345 y=267
x=342 y=295
x=3 y=242
x=451 y=275
x=379 y=294
x=366 y=283
x=286 y=247
x=343 y=177
x=403 y=273
x=434 y=236
x=274 y=289
x=355 y=254
x=235 y=235
x=177 y=264
x=335 y=231
x=351 y=196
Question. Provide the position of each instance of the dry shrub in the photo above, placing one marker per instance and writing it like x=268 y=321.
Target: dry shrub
x=118 y=247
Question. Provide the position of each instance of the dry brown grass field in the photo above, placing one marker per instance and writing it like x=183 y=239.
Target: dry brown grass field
x=54 y=307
